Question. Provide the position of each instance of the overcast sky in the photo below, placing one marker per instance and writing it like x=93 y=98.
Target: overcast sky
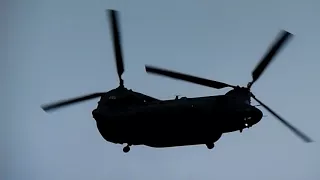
x=62 y=48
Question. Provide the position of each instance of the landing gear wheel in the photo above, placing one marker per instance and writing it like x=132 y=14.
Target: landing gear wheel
x=126 y=149
x=210 y=146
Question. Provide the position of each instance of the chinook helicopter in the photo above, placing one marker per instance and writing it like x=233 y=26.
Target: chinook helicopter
x=127 y=117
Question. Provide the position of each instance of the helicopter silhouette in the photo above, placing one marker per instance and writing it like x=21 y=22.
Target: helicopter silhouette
x=127 y=117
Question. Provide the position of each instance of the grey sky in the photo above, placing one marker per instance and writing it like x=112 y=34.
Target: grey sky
x=62 y=48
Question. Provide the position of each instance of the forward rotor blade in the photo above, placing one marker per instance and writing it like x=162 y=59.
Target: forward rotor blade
x=113 y=15
x=283 y=38
x=185 y=77
x=62 y=103
x=287 y=124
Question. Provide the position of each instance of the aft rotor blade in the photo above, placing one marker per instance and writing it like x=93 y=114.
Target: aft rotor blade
x=113 y=15
x=62 y=103
x=283 y=38
x=287 y=124
x=189 y=78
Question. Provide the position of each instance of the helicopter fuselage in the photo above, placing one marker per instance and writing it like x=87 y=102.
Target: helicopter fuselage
x=179 y=122
x=125 y=116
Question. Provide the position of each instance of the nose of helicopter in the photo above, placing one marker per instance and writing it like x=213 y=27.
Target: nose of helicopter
x=102 y=114
x=255 y=116
x=97 y=114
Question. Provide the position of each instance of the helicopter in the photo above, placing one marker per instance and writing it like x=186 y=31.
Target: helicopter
x=124 y=116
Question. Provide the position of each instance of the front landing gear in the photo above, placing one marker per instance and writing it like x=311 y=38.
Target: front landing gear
x=126 y=148
x=210 y=145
